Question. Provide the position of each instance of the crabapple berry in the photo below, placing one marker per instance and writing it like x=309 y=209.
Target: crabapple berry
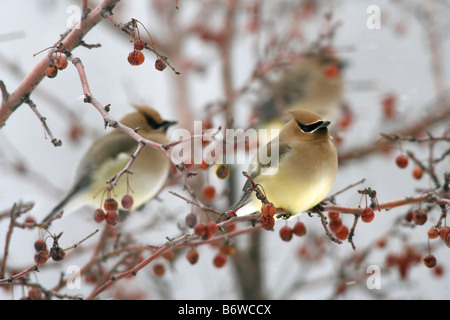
x=286 y=233
x=401 y=161
x=429 y=261
x=40 y=245
x=57 y=253
x=420 y=217
x=127 y=201
x=212 y=227
x=417 y=173
x=159 y=269
x=139 y=45
x=342 y=233
x=51 y=72
x=299 y=229
x=191 y=220
x=219 y=260
x=112 y=218
x=99 y=215
x=209 y=191
x=200 y=229
x=160 y=64
x=192 y=256
x=268 y=209
x=367 y=215
x=110 y=204
x=433 y=233
x=41 y=257
x=61 y=63
x=136 y=58
x=267 y=222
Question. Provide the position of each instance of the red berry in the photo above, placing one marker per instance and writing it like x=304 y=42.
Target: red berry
x=192 y=256
x=61 y=63
x=99 y=215
x=299 y=229
x=41 y=257
x=335 y=224
x=367 y=215
x=112 y=218
x=136 y=58
x=40 y=245
x=139 y=45
x=409 y=216
x=267 y=222
x=433 y=233
x=209 y=191
x=203 y=165
x=219 y=260
x=402 y=161
x=200 y=229
x=160 y=64
x=35 y=294
x=438 y=271
x=268 y=209
x=420 y=217
x=444 y=232
x=417 y=173
x=342 y=233
x=286 y=233
x=51 y=72
x=212 y=227
x=429 y=261
x=110 y=204
x=169 y=255
x=127 y=201
x=159 y=269
x=29 y=222
x=333 y=215
x=191 y=220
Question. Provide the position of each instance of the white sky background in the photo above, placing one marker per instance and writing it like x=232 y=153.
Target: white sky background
x=392 y=63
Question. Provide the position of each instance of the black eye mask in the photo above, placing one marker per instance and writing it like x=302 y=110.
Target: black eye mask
x=313 y=126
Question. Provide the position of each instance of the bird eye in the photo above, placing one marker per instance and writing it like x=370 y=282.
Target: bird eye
x=310 y=127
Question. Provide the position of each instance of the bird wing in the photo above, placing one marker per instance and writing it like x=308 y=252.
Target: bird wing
x=117 y=145
x=257 y=168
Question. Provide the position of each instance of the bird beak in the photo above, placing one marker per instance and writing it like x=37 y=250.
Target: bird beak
x=166 y=124
x=324 y=124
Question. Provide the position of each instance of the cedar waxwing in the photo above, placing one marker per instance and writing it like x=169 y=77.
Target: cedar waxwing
x=313 y=83
x=109 y=154
x=305 y=168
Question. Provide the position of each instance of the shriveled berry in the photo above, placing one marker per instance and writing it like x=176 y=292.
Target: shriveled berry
x=268 y=209
x=200 y=229
x=286 y=233
x=51 y=72
x=222 y=171
x=401 y=161
x=57 y=253
x=160 y=64
x=299 y=229
x=409 y=216
x=433 y=233
x=169 y=255
x=444 y=232
x=61 y=63
x=41 y=257
x=367 y=215
x=136 y=58
x=35 y=294
x=29 y=222
x=139 y=44
x=99 y=215
x=127 y=201
x=220 y=260
x=191 y=220
x=110 y=204
x=342 y=233
x=192 y=256
x=429 y=261
x=267 y=222
x=112 y=218
x=209 y=191
x=39 y=245
x=420 y=217
x=159 y=269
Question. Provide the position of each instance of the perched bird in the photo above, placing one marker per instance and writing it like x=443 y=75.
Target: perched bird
x=109 y=154
x=313 y=83
x=304 y=171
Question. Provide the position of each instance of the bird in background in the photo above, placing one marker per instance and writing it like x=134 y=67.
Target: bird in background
x=313 y=83
x=110 y=153
x=303 y=173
